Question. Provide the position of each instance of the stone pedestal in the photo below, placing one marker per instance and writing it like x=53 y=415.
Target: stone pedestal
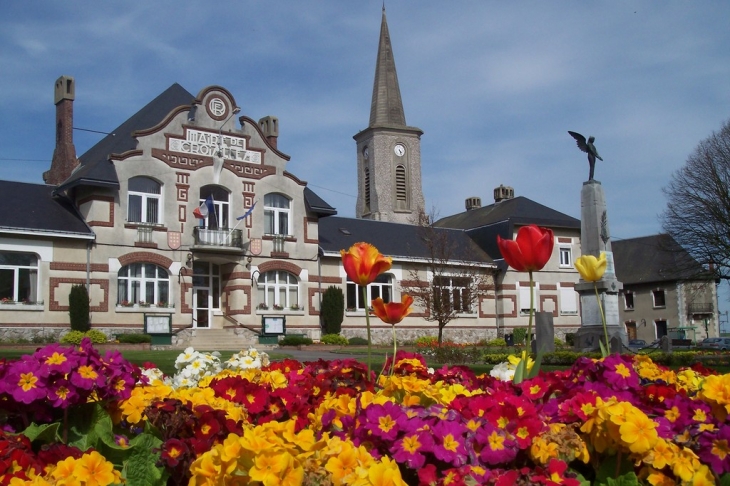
x=595 y=239
x=544 y=332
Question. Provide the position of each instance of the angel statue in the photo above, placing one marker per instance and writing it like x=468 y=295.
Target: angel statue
x=588 y=148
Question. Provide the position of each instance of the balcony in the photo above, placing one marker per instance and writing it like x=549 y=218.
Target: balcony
x=703 y=308
x=218 y=239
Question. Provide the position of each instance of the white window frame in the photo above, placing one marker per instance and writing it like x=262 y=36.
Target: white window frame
x=524 y=296
x=566 y=256
x=126 y=284
x=454 y=289
x=145 y=198
x=16 y=270
x=568 y=301
x=273 y=215
x=633 y=300
x=221 y=215
x=275 y=284
x=381 y=287
x=653 y=298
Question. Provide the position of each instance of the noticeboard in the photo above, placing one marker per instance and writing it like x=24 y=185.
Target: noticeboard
x=158 y=324
x=273 y=325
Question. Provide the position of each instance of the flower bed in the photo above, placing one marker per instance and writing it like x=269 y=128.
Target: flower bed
x=84 y=418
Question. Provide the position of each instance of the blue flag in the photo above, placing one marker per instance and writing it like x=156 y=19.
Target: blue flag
x=250 y=210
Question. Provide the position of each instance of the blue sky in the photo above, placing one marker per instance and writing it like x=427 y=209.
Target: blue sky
x=495 y=86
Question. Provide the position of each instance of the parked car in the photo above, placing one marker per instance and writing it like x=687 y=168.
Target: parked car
x=636 y=344
x=715 y=344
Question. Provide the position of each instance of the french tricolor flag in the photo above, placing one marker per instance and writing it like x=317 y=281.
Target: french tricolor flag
x=204 y=209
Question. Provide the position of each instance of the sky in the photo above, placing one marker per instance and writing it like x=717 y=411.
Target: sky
x=495 y=86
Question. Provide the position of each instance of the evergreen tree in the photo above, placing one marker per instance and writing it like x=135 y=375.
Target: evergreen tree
x=333 y=310
x=78 y=308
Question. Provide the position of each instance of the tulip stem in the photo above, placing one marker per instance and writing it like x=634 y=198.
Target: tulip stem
x=603 y=319
x=367 y=324
x=392 y=366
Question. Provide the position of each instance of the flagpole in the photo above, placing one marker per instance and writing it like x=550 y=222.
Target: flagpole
x=239 y=221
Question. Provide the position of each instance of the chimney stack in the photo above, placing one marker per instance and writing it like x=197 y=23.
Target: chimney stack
x=270 y=126
x=503 y=193
x=473 y=203
x=64 y=155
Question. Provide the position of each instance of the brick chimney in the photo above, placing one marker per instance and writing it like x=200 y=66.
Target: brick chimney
x=64 y=155
x=270 y=126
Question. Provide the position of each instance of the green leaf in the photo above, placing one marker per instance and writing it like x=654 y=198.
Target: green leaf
x=613 y=470
x=141 y=466
x=519 y=372
x=725 y=479
x=604 y=351
x=45 y=433
x=90 y=426
x=536 y=365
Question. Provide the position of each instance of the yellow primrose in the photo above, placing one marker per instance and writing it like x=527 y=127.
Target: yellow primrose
x=591 y=269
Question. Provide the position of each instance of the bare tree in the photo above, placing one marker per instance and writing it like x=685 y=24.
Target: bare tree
x=454 y=277
x=698 y=208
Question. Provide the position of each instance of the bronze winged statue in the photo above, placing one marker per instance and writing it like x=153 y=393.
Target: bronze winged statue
x=589 y=148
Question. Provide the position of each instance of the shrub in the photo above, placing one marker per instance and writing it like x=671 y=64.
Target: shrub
x=335 y=339
x=454 y=353
x=496 y=342
x=357 y=341
x=78 y=308
x=570 y=339
x=75 y=337
x=333 y=310
x=295 y=341
x=519 y=334
x=134 y=338
x=559 y=343
x=426 y=341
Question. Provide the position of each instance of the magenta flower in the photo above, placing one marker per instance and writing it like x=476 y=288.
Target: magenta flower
x=55 y=359
x=619 y=372
x=715 y=449
x=495 y=445
x=449 y=442
x=410 y=449
x=381 y=421
x=61 y=394
x=24 y=383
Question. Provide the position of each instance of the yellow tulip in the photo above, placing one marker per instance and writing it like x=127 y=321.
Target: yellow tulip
x=591 y=269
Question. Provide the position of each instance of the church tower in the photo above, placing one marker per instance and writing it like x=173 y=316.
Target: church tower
x=388 y=151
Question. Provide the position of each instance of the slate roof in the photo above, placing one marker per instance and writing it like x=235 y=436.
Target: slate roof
x=31 y=208
x=317 y=205
x=656 y=258
x=393 y=239
x=519 y=210
x=95 y=168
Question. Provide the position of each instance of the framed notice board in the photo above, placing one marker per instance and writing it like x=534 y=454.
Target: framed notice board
x=158 y=324
x=273 y=325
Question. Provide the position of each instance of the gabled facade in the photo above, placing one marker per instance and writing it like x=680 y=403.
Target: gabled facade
x=666 y=292
x=554 y=285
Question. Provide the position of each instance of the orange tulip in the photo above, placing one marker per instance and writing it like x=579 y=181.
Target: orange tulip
x=392 y=312
x=531 y=249
x=363 y=263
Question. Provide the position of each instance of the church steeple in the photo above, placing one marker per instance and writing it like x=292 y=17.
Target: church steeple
x=388 y=151
x=386 y=108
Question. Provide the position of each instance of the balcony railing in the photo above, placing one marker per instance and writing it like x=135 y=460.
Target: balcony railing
x=144 y=232
x=220 y=238
x=700 y=308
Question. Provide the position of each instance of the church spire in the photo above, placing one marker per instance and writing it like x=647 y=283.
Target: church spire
x=386 y=108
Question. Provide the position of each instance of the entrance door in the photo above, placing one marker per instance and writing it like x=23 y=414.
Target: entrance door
x=201 y=307
x=631 y=330
x=661 y=328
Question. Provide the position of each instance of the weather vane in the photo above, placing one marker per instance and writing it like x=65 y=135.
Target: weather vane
x=588 y=148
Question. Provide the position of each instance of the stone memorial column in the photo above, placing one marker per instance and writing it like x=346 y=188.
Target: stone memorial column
x=595 y=239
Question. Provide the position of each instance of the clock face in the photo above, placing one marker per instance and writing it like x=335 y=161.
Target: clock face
x=399 y=150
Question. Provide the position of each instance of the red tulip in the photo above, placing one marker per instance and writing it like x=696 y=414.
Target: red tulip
x=392 y=312
x=363 y=263
x=531 y=249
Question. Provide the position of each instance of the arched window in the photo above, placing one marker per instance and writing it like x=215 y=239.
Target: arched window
x=143 y=283
x=18 y=276
x=276 y=214
x=144 y=196
x=381 y=287
x=367 y=188
x=278 y=288
x=218 y=218
x=401 y=194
